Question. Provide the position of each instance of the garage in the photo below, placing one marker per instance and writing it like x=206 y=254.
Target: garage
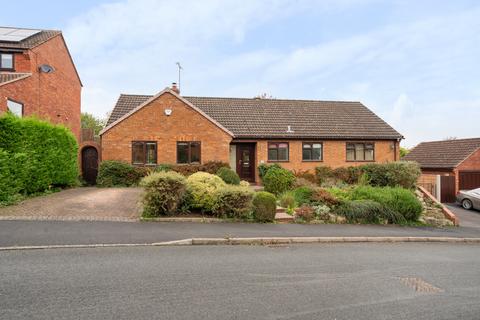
x=448 y=166
x=469 y=180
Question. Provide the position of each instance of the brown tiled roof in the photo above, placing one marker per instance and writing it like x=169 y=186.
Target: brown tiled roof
x=31 y=41
x=443 y=154
x=269 y=118
x=7 y=77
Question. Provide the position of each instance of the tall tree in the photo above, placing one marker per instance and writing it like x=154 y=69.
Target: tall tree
x=89 y=121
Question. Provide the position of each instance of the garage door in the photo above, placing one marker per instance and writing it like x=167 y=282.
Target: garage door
x=469 y=180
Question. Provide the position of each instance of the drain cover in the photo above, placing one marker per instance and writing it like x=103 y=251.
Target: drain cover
x=420 y=285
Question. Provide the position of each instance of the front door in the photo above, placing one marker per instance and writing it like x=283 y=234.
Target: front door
x=246 y=161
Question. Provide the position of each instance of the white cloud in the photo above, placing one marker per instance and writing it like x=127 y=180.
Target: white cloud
x=132 y=47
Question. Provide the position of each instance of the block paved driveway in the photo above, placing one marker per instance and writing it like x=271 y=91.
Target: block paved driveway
x=86 y=203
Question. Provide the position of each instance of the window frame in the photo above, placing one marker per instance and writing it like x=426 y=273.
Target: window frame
x=189 y=152
x=277 y=143
x=365 y=143
x=144 y=144
x=20 y=103
x=13 y=61
x=311 y=151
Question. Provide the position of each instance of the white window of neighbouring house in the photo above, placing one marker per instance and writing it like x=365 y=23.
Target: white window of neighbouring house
x=6 y=61
x=15 y=107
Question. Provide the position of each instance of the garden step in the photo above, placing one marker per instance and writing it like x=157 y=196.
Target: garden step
x=282 y=216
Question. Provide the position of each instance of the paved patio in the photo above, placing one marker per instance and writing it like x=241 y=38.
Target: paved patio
x=88 y=203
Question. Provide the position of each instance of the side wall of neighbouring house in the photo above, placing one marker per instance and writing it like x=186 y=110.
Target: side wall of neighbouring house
x=54 y=96
x=151 y=124
x=472 y=163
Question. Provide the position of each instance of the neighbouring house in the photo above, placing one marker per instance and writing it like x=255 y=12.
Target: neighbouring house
x=448 y=166
x=298 y=134
x=38 y=76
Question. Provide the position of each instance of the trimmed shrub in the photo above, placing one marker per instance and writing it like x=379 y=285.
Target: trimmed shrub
x=304 y=214
x=303 y=195
x=209 y=167
x=368 y=211
x=264 y=206
x=244 y=183
x=113 y=173
x=399 y=200
x=306 y=175
x=202 y=188
x=323 y=196
x=233 y=202
x=34 y=156
x=278 y=180
x=164 y=193
x=393 y=174
x=263 y=169
x=228 y=175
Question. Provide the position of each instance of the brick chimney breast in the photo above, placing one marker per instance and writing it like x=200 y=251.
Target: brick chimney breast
x=175 y=88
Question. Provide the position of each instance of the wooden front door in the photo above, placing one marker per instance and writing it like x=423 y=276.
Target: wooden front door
x=447 y=189
x=89 y=164
x=246 y=161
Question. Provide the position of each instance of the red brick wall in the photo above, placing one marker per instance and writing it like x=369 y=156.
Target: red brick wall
x=55 y=96
x=334 y=154
x=151 y=124
x=471 y=163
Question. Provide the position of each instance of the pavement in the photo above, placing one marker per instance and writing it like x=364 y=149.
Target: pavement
x=328 y=281
x=32 y=233
x=86 y=203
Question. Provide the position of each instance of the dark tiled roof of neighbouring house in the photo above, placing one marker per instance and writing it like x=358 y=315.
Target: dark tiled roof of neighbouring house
x=269 y=118
x=29 y=42
x=7 y=77
x=443 y=154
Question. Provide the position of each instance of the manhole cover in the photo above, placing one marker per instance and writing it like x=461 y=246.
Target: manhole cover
x=420 y=285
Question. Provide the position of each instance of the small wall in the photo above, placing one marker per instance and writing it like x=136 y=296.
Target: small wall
x=448 y=214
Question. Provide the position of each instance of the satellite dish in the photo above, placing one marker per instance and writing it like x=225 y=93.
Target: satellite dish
x=45 y=68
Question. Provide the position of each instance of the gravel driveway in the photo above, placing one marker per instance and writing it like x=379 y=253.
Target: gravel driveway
x=88 y=203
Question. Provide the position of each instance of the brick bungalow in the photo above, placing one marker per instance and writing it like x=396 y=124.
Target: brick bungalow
x=38 y=76
x=298 y=134
x=448 y=166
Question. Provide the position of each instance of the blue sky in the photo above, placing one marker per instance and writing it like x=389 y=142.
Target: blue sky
x=415 y=63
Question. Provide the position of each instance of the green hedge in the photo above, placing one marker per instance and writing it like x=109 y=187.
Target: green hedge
x=34 y=156
x=233 y=202
x=368 y=211
x=264 y=206
x=228 y=175
x=113 y=173
x=278 y=180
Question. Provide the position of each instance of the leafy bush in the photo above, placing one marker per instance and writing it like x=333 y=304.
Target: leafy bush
x=322 y=211
x=188 y=169
x=305 y=213
x=164 y=193
x=323 y=196
x=163 y=167
x=303 y=195
x=322 y=173
x=328 y=176
x=397 y=199
x=393 y=174
x=244 y=183
x=113 y=173
x=34 y=156
x=263 y=169
x=302 y=182
x=368 y=211
x=306 y=175
x=287 y=200
x=278 y=180
x=264 y=206
x=228 y=175
x=202 y=188
x=233 y=202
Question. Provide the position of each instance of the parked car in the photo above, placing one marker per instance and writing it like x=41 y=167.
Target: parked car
x=469 y=199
